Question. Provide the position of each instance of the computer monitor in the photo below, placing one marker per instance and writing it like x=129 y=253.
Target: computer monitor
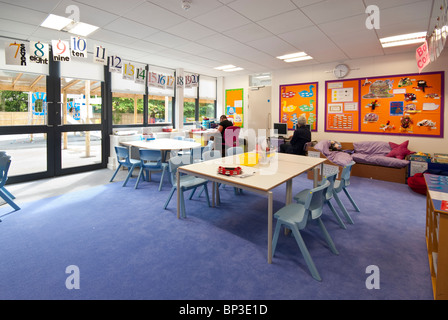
x=282 y=129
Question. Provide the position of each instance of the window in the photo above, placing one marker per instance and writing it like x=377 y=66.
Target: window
x=161 y=86
x=199 y=104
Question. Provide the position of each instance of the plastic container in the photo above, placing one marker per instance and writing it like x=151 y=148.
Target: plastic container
x=249 y=159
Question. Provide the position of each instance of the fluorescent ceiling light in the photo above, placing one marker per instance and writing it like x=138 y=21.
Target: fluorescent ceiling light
x=298 y=59
x=61 y=23
x=82 y=29
x=229 y=66
x=292 y=55
x=56 y=22
x=403 y=39
x=233 y=69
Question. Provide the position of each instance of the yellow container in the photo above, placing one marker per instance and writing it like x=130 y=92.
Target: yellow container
x=249 y=159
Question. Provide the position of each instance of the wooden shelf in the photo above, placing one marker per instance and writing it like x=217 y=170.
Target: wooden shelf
x=437 y=241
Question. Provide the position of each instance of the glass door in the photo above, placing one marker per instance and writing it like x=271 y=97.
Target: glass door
x=50 y=125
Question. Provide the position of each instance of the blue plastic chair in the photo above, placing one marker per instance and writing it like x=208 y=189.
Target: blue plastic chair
x=234 y=150
x=178 y=138
x=5 y=162
x=151 y=160
x=124 y=160
x=301 y=196
x=341 y=185
x=295 y=216
x=187 y=182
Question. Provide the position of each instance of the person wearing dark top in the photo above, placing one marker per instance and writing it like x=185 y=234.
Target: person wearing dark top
x=223 y=125
x=301 y=136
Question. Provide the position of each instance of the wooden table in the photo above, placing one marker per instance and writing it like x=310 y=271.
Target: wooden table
x=280 y=169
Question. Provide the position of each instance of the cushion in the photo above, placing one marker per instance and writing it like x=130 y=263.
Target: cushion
x=372 y=147
x=417 y=183
x=379 y=160
x=399 y=151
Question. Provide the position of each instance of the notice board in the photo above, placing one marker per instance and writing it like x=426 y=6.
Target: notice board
x=407 y=104
x=234 y=106
x=297 y=100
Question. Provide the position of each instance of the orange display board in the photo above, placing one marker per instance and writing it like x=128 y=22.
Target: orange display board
x=296 y=100
x=408 y=104
x=235 y=106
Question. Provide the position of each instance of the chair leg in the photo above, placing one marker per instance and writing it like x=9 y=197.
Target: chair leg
x=192 y=194
x=182 y=203
x=131 y=169
x=338 y=218
x=327 y=237
x=275 y=237
x=138 y=178
x=169 y=197
x=351 y=199
x=206 y=194
x=343 y=209
x=9 y=200
x=161 y=178
x=305 y=253
x=115 y=173
x=8 y=193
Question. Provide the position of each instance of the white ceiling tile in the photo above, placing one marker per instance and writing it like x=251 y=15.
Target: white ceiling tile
x=24 y=15
x=193 y=48
x=255 y=11
x=166 y=39
x=117 y=7
x=273 y=46
x=248 y=32
x=154 y=16
x=285 y=22
x=222 y=19
x=330 y=10
x=197 y=7
x=126 y=26
x=217 y=41
x=190 y=30
x=345 y=26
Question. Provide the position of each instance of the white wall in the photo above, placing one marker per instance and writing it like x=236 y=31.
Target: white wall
x=367 y=67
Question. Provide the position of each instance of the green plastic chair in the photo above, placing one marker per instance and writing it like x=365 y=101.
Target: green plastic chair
x=5 y=163
x=124 y=160
x=301 y=196
x=341 y=185
x=296 y=216
x=187 y=182
x=151 y=160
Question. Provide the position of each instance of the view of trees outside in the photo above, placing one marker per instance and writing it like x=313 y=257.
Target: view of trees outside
x=14 y=101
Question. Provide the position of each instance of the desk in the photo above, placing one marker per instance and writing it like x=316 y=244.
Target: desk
x=163 y=145
x=280 y=169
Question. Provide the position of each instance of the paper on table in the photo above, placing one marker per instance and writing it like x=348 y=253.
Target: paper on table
x=437 y=195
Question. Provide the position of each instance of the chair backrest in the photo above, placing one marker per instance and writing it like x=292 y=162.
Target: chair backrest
x=213 y=154
x=5 y=162
x=231 y=136
x=331 y=178
x=189 y=139
x=173 y=164
x=345 y=174
x=178 y=138
x=234 y=150
x=151 y=156
x=122 y=155
x=315 y=200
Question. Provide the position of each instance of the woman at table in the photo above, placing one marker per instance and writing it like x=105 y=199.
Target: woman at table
x=301 y=136
x=224 y=123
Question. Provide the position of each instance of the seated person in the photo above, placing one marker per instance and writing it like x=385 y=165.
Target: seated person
x=301 y=136
x=224 y=123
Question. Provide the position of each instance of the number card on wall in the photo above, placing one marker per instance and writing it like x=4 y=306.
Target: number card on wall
x=100 y=55
x=39 y=52
x=299 y=100
x=128 y=70
x=79 y=47
x=140 y=74
x=191 y=80
x=15 y=53
x=407 y=104
x=115 y=64
x=61 y=50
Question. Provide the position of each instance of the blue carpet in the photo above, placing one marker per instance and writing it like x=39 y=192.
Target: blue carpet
x=127 y=247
